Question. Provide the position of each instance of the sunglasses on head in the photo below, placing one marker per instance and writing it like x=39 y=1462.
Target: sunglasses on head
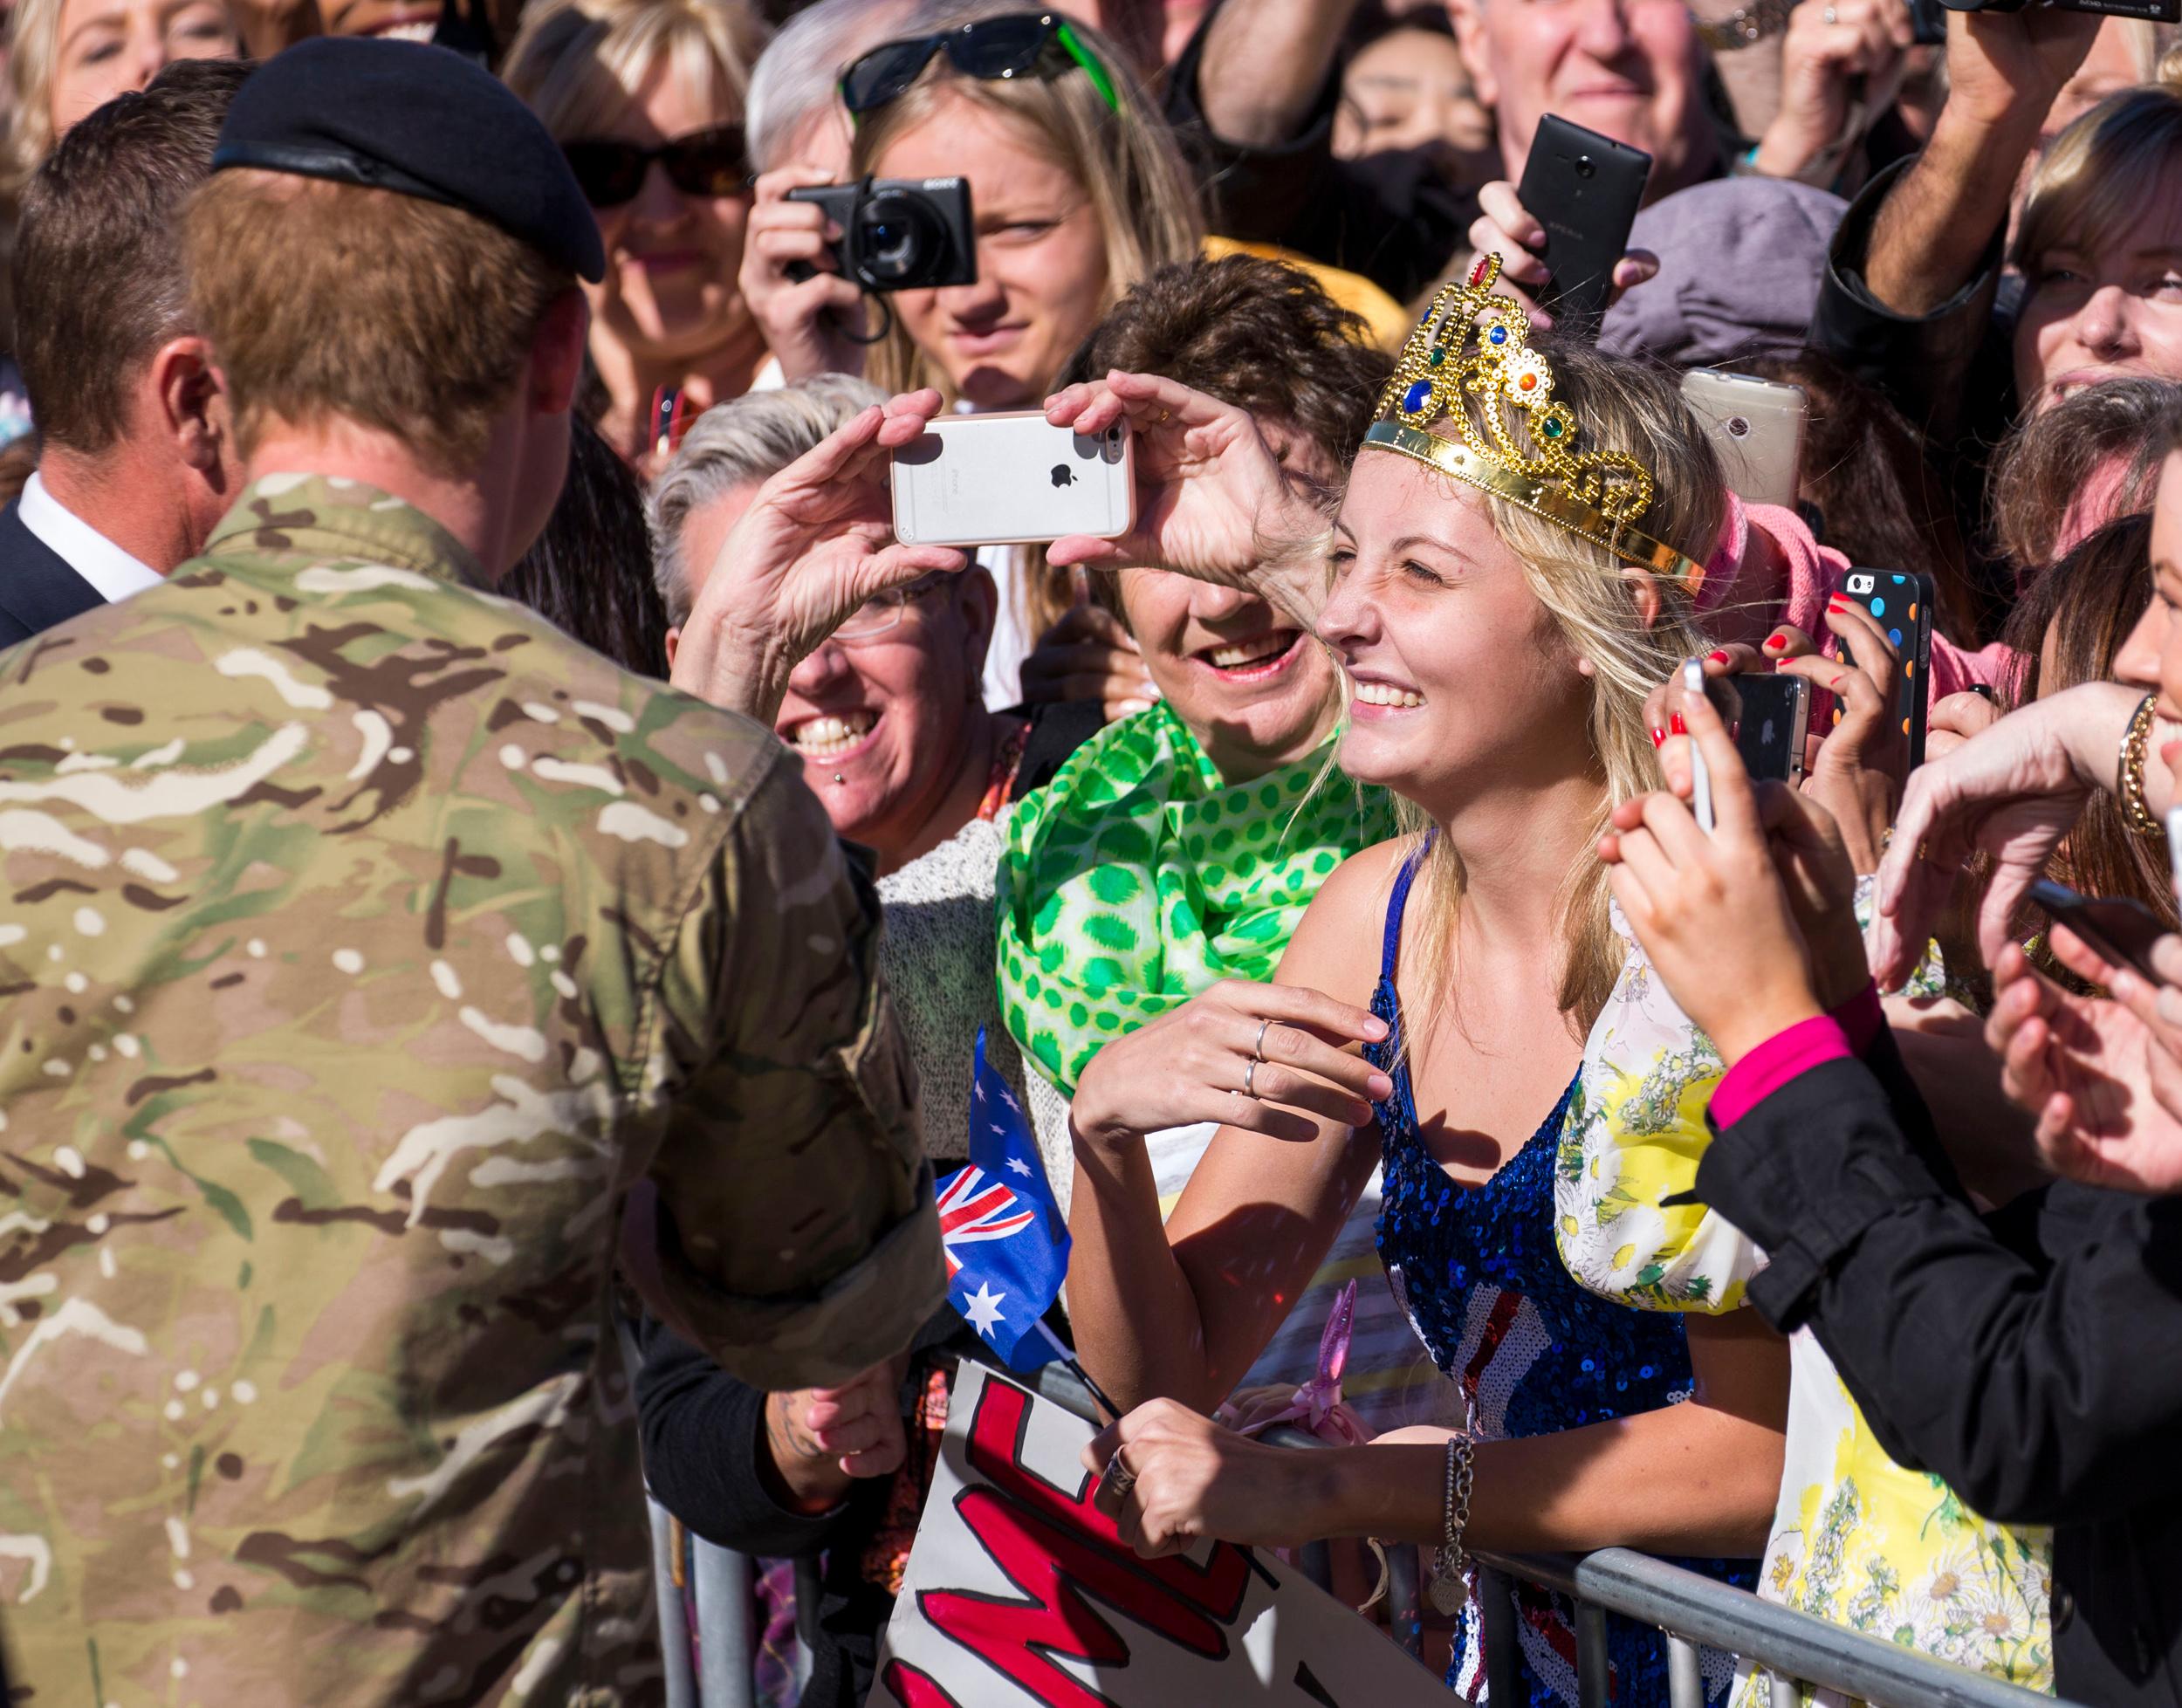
x=706 y=163
x=991 y=50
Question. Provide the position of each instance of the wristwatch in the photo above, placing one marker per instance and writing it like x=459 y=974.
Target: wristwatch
x=1745 y=26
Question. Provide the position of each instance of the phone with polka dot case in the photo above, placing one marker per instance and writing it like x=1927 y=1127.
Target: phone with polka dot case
x=1901 y=603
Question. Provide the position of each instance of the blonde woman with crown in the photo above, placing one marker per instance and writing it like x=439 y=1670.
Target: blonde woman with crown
x=1519 y=558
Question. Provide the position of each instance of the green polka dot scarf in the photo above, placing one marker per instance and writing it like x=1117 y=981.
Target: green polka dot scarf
x=1138 y=877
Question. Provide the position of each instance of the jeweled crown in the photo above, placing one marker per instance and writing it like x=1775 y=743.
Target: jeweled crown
x=1471 y=344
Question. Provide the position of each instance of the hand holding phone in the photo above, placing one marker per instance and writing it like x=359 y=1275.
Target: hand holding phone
x=1901 y=605
x=1583 y=189
x=1012 y=479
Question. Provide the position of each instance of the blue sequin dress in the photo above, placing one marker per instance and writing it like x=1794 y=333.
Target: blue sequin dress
x=1478 y=1270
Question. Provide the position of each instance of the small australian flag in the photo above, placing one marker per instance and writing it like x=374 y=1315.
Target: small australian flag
x=1006 y=1244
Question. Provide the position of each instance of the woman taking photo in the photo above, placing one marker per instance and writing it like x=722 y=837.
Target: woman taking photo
x=646 y=99
x=1498 y=657
x=1078 y=193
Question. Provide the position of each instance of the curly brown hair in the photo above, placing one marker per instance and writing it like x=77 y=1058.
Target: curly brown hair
x=1259 y=334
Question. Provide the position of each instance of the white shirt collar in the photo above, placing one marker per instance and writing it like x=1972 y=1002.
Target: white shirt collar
x=113 y=573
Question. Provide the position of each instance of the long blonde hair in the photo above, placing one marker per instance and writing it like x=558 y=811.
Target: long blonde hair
x=577 y=64
x=1592 y=597
x=1126 y=161
x=33 y=42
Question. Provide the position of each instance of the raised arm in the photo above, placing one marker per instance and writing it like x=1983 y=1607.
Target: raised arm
x=1933 y=230
x=1180 y=1312
x=1265 y=63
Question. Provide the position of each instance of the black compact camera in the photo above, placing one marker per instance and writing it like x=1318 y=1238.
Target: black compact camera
x=2156 y=11
x=899 y=234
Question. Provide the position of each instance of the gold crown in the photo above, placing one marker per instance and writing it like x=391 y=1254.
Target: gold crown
x=1597 y=494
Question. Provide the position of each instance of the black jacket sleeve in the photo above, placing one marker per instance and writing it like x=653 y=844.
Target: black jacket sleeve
x=2043 y=1384
x=1945 y=371
x=703 y=1431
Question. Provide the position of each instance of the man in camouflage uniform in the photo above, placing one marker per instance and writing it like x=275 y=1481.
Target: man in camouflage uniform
x=365 y=943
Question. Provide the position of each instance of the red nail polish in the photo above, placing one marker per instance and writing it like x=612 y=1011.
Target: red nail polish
x=1777 y=640
x=1716 y=657
x=1658 y=737
x=1835 y=602
x=1676 y=724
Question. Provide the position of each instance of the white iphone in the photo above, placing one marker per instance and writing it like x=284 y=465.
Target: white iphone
x=1757 y=427
x=1012 y=479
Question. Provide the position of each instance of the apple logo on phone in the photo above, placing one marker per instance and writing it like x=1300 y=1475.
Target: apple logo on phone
x=1063 y=476
x=1766 y=737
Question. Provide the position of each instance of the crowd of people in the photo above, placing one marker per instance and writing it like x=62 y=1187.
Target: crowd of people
x=513 y=870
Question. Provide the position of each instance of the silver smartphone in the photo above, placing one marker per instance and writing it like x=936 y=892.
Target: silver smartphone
x=1756 y=427
x=1012 y=479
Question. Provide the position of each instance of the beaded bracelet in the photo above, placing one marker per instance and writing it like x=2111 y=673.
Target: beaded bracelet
x=2136 y=813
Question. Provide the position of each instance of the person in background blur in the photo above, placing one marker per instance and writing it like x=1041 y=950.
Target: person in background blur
x=138 y=462
x=645 y=98
x=1078 y=193
x=1408 y=105
x=69 y=56
x=590 y=573
x=1913 y=299
x=2067 y=472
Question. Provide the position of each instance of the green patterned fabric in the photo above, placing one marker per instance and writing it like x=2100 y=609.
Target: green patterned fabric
x=1139 y=875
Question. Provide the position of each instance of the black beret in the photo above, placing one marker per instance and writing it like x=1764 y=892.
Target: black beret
x=420 y=120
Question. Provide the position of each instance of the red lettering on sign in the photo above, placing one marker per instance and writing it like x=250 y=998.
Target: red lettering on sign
x=1056 y=1546
x=914 y=1689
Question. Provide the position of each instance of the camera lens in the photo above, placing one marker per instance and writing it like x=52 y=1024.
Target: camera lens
x=1738 y=427
x=1584 y=168
x=897 y=240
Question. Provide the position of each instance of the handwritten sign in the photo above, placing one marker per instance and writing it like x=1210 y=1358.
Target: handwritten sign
x=1018 y=1592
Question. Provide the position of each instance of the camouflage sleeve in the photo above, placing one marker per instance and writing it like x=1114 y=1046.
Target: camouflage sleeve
x=797 y=1239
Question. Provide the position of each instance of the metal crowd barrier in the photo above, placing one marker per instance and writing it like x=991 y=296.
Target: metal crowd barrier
x=1801 y=1652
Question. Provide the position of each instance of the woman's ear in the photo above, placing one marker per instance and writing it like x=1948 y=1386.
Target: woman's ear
x=1644 y=594
x=978 y=600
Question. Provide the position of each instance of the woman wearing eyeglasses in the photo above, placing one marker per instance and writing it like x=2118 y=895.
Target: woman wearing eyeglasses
x=646 y=99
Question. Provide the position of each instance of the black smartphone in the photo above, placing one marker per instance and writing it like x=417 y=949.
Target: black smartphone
x=1774 y=719
x=1901 y=605
x=1585 y=189
x=2122 y=931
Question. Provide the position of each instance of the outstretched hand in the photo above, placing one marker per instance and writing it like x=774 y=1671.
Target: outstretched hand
x=2013 y=794
x=1212 y=500
x=2102 y=1075
x=816 y=543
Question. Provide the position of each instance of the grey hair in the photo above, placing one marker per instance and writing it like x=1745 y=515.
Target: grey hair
x=739 y=443
x=798 y=72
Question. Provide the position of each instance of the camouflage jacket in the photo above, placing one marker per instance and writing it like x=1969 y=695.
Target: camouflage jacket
x=363 y=940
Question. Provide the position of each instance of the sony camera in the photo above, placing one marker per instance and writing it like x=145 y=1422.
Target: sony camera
x=899 y=234
x=1929 y=20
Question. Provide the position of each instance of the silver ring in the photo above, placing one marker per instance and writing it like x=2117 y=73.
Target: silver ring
x=1831 y=15
x=1258 y=1048
x=1119 y=1479
x=1250 y=1079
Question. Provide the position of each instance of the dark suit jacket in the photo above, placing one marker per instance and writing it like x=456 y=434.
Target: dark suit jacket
x=2032 y=1359
x=37 y=588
